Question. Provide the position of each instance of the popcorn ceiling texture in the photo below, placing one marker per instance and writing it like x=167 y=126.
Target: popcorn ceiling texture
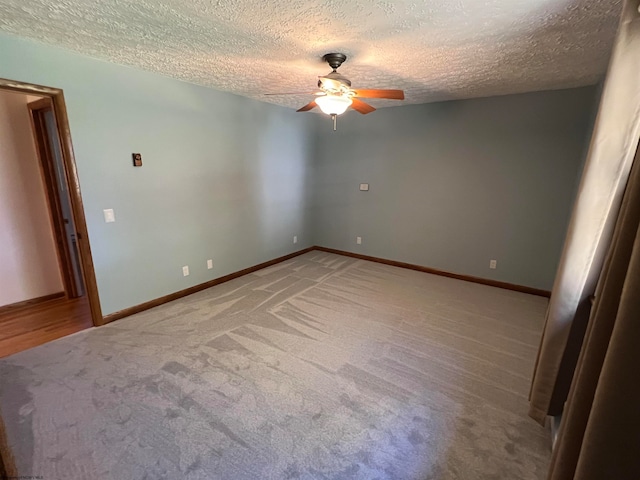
x=434 y=50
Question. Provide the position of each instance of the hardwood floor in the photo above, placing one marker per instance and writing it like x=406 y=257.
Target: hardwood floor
x=31 y=326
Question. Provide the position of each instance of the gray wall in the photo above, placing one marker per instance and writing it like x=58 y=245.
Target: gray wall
x=456 y=184
x=224 y=177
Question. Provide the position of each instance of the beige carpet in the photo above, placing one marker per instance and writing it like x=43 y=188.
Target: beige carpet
x=321 y=367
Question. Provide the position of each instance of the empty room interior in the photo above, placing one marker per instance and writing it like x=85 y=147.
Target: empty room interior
x=319 y=240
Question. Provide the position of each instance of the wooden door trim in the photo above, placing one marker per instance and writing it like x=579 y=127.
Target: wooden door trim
x=56 y=96
x=48 y=169
x=40 y=104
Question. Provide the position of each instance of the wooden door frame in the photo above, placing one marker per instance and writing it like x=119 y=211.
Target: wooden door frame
x=60 y=111
x=37 y=109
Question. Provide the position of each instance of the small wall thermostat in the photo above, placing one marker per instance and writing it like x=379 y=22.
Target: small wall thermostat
x=364 y=187
x=137 y=159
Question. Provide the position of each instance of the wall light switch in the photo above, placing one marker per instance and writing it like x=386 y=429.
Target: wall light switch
x=295 y=239
x=209 y=264
x=364 y=187
x=493 y=264
x=359 y=240
x=109 y=215
x=185 y=271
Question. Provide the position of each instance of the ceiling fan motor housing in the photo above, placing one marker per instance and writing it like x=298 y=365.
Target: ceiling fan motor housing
x=333 y=80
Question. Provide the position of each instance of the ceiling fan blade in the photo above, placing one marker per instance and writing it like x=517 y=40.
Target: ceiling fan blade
x=308 y=106
x=377 y=93
x=362 y=107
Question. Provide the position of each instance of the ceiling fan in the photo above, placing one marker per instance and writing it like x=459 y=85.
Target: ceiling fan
x=336 y=95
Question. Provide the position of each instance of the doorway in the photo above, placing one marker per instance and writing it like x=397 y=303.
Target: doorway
x=34 y=321
x=47 y=140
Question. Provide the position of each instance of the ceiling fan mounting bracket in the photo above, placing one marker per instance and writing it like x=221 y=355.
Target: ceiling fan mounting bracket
x=334 y=59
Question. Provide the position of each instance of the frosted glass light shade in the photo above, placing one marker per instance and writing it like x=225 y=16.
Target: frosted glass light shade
x=333 y=104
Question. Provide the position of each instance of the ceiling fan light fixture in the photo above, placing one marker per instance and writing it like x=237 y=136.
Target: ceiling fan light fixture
x=333 y=104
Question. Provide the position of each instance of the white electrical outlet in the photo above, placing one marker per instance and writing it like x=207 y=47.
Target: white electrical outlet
x=493 y=264
x=295 y=239
x=359 y=240
x=209 y=264
x=364 y=187
x=109 y=215
x=185 y=270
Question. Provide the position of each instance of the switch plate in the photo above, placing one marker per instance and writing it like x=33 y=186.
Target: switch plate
x=109 y=215
x=359 y=240
x=364 y=187
x=185 y=271
x=209 y=264
x=493 y=264
x=295 y=239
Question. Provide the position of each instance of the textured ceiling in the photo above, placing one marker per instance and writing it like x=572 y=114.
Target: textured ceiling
x=433 y=49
